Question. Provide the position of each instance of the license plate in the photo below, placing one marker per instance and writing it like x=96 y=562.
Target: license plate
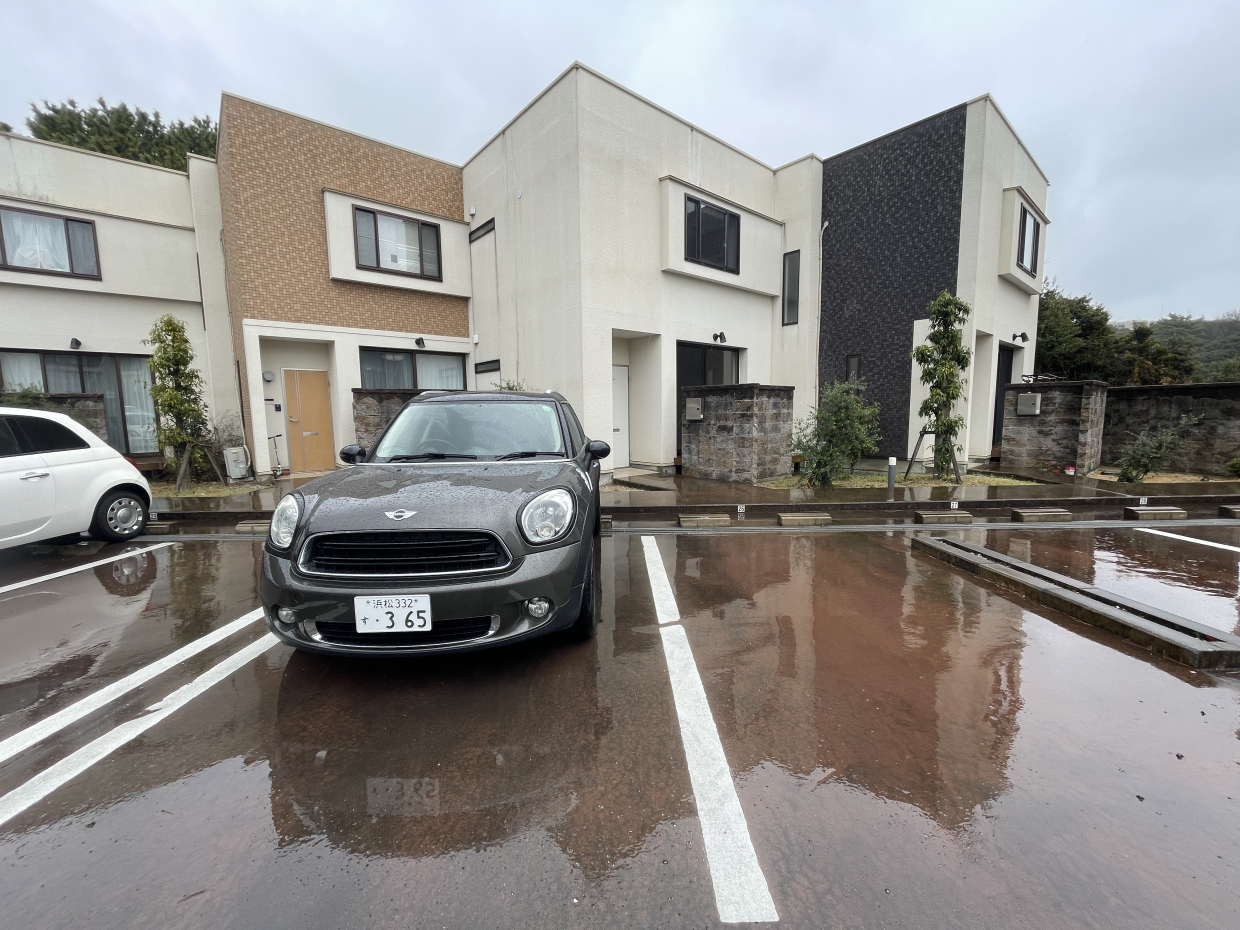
x=403 y=613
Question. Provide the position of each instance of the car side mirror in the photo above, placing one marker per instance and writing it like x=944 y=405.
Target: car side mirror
x=598 y=449
x=352 y=454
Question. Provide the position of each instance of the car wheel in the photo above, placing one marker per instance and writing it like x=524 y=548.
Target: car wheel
x=119 y=515
x=587 y=621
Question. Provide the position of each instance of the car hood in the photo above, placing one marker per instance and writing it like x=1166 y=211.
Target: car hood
x=481 y=495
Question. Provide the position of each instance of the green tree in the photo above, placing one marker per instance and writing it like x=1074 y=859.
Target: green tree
x=943 y=360
x=124 y=132
x=1144 y=360
x=5 y=127
x=1075 y=339
x=841 y=430
x=176 y=389
x=1151 y=450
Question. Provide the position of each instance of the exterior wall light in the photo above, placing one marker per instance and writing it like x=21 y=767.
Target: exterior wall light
x=719 y=337
x=75 y=343
x=1023 y=337
x=420 y=342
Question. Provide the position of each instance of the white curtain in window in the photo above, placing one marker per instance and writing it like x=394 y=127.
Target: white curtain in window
x=445 y=372
x=32 y=241
x=62 y=374
x=398 y=245
x=21 y=370
x=139 y=408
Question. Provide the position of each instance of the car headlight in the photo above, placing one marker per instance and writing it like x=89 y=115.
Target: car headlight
x=548 y=516
x=284 y=522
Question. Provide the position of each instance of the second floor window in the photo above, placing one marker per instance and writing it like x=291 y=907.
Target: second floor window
x=1027 y=248
x=792 y=288
x=47 y=243
x=397 y=244
x=712 y=235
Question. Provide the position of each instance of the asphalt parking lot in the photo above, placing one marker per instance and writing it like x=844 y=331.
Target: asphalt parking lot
x=877 y=740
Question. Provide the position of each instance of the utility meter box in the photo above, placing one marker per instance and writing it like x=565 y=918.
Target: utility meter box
x=1028 y=405
x=693 y=408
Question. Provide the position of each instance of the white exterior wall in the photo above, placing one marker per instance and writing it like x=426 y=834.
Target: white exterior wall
x=590 y=265
x=995 y=162
x=148 y=247
x=334 y=349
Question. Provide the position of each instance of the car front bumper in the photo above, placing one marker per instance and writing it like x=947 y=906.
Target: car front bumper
x=323 y=605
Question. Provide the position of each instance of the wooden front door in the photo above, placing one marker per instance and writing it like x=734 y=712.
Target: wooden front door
x=307 y=405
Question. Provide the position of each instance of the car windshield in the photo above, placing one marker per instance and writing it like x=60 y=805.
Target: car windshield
x=478 y=430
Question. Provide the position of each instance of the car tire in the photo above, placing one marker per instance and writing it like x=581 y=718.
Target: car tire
x=120 y=515
x=587 y=621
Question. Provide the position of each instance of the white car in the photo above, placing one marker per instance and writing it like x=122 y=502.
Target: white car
x=58 y=478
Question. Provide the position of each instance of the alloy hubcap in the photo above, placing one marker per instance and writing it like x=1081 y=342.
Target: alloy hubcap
x=125 y=515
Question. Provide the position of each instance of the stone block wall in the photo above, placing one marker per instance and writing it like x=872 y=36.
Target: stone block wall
x=1208 y=446
x=374 y=409
x=745 y=433
x=1068 y=431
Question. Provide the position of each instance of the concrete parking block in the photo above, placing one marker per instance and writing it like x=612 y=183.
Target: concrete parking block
x=1155 y=513
x=257 y=527
x=804 y=519
x=942 y=516
x=705 y=519
x=1229 y=510
x=1041 y=515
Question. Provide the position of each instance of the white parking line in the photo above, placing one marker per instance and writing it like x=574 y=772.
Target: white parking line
x=741 y=891
x=1203 y=542
x=92 y=702
x=47 y=781
x=664 y=600
x=82 y=568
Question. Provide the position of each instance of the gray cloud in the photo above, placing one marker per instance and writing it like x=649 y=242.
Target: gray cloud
x=1128 y=106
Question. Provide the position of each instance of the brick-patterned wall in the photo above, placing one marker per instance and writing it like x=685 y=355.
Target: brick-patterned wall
x=1068 y=431
x=1208 y=446
x=374 y=409
x=745 y=433
x=891 y=247
x=273 y=169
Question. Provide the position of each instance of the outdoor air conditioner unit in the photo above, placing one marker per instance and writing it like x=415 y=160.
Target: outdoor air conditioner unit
x=237 y=462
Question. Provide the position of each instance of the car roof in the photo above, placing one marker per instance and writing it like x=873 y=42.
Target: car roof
x=433 y=396
x=30 y=412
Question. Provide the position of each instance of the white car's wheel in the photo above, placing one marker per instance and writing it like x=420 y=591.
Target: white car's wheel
x=119 y=515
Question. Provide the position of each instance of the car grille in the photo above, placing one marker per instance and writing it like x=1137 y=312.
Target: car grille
x=416 y=552
x=344 y=633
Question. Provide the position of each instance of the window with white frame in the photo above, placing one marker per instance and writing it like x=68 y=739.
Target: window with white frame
x=1027 y=244
x=47 y=244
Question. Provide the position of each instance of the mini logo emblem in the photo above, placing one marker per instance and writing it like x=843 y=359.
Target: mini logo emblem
x=401 y=514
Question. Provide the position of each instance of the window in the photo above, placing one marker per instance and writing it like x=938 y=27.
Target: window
x=698 y=364
x=575 y=431
x=482 y=368
x=396 y=244
x=792 y=287
x=123 y=380
x=1027 y=247
x=852 y=367
x=408 y=371
x=48 y=244
x=44 y=435
x=473 y=429
x=712 y=235
x=8 y=441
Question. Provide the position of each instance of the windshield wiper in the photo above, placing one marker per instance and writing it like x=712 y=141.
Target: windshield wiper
x=523 y=455
x=431 y=455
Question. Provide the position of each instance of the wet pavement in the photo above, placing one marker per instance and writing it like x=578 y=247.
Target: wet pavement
x=909 y=747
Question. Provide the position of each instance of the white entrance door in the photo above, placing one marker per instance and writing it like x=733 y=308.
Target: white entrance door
x=620 y=416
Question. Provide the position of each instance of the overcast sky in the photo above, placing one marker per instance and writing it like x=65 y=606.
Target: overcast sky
x=1131 y=108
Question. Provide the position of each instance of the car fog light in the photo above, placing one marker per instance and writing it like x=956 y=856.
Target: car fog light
x=538 y=607
x=286 y=615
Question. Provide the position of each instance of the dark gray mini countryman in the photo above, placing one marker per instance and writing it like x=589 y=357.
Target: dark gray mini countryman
x=473 y=522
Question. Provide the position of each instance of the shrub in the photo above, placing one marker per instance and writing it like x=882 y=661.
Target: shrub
x=1234 y=467
x=842 y=429
x=1152 y=450
x=505 y=385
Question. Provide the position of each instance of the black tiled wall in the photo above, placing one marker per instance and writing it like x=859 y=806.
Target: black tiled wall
x=892 y=245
